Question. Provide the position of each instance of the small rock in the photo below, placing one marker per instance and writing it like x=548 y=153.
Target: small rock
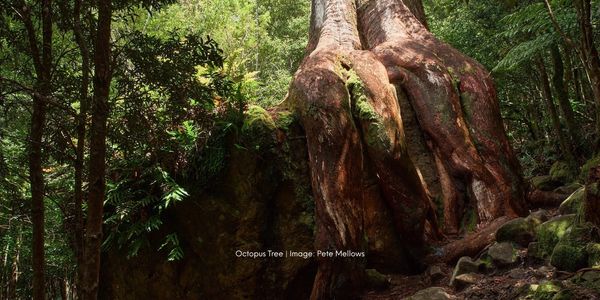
x=465 y=265
x=591 y=276
x=538 y=217
x=519 y=230
x=432 y=293
x=545 y=272
x=464 y=280
x=502 y=254
x=572 y=203
x=517 y=273
x=435 y=272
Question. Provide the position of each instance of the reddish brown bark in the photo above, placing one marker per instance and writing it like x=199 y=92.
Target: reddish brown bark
x=345 y=93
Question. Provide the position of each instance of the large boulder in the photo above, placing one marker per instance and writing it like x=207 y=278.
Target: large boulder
x=261 y=200
x=568 y=258
x=572 y=204
x=549 y=233
x=520 y=231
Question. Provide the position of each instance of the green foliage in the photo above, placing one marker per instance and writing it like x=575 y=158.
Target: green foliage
x=134 y=208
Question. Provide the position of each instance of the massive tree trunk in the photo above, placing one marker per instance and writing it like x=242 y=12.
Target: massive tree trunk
x=363 y=57
x=97 y=166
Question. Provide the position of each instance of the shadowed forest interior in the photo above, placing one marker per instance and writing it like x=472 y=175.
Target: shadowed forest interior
x=299 y=149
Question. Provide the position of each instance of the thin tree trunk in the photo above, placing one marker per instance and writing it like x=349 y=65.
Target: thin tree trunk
x=43 y=64
x=547 y=96
x=562 y=95
x=81 y=132
x=97 y=166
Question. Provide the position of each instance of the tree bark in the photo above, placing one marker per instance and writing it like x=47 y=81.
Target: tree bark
x=97 y=166
x=81 y=132
x=43 y=68
x=361 y=55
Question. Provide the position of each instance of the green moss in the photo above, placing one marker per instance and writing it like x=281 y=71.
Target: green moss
x=469 y=221
x=544 y=291
x=549 y=233
x=285 y=119
x=573 y=203
x=561 y=172
x=564 y=295
x=376 y=135
x=568 y=258
x=520 y=231
x=585 y=169
x=257 y=116
x=593 y=252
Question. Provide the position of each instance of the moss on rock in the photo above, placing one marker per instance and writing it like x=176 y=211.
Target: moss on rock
x=585 y=169
x=568 y=258
x=549 y=233
x=561 y=172
x=257 y=116
x=593 y=252
x=572 y=204
x=520 y=231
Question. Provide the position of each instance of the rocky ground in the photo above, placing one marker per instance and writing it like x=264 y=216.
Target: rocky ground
x=551 y=254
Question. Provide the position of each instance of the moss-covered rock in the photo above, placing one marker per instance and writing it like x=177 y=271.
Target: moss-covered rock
x=593 y=252
x=544 y=291
x=257 y=116
x=585 y=169
x=565 y=294
x=520 y=231
x=572 y=204
x=544 y=183
x=561 y=172
x=568 y=258
x=549 y=233
x=568 y=189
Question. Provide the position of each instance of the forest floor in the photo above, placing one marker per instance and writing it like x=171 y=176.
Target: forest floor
x=527 y=278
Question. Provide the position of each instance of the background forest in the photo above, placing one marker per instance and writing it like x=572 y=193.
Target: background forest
x=185 y=79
